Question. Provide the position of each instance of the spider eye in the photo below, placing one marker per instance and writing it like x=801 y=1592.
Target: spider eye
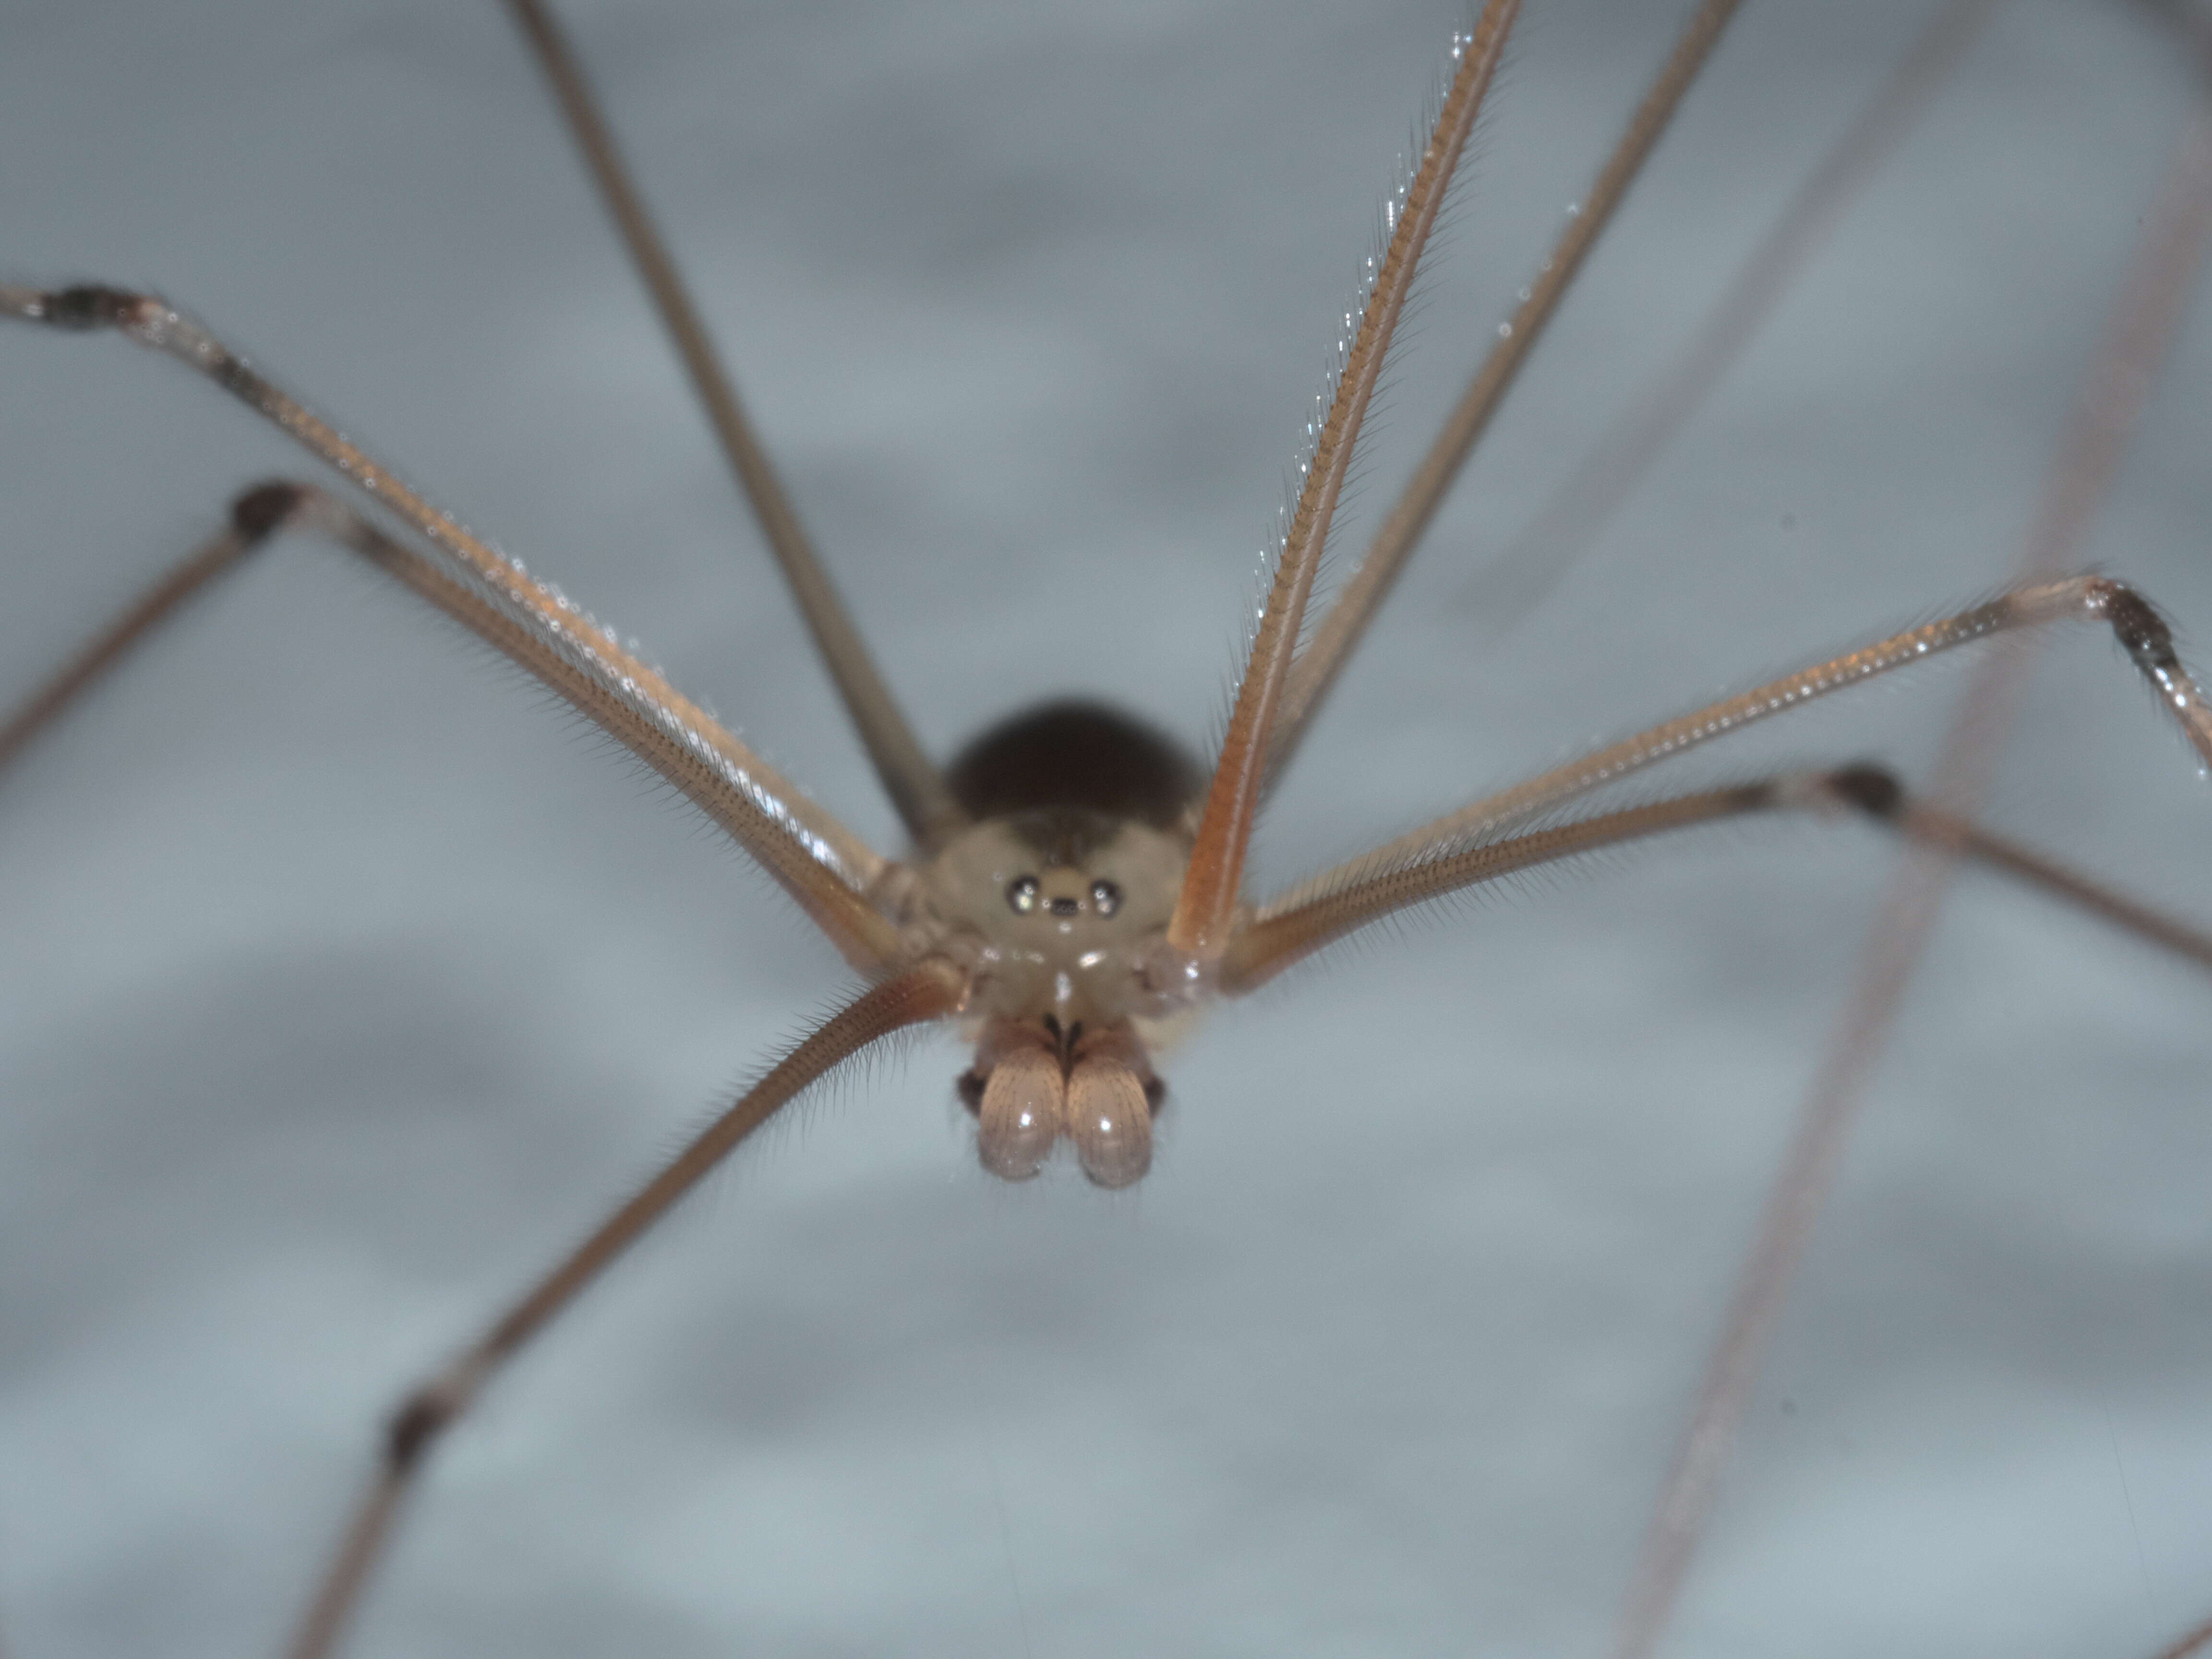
x=1105 y=897
x=1022 y=895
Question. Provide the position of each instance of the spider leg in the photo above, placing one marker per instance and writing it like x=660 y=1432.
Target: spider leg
x=1402 y=527
x=818 y=862
x=1511 y=585
x=924 y=803
x=210 y=560
x=1873 y=792
x=2193 y=1640
x=2142 y=632
x=1200 y=930
x=2107 y=401
x=1288 y=930
x=929 y=989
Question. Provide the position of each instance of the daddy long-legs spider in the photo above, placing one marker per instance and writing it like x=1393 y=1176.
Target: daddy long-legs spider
x=344 y=986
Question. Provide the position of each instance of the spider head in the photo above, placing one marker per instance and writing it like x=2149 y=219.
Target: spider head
x=1058 y=910
x=1055 y=910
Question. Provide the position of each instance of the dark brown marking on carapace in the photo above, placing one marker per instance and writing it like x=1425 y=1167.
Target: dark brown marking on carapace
x=1073 y=756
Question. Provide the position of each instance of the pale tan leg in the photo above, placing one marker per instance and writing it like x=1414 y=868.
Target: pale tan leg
x=1285 y=934
x=1510 y=585
x=2133 y=621
x=925 y=992
x=1876 y=794
x=646 y=717
x=1364 y=590
x=211 y=560
x=1212 y=886
x=2137 y=337
x=816 y=860
x=924 y=803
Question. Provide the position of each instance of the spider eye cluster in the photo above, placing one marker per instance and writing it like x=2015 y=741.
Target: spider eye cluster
x=1025 y=897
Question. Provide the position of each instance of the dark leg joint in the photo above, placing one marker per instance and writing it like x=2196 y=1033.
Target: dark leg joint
x=89 y=307
x=416 y=1425
x=261 y=511
x=2136 y=623
x=1873 y=790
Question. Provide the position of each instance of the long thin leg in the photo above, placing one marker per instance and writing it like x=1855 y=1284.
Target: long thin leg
x=781 y=827
x=926 y=992
x=2134 y=622
x=1364 y=590
x=1200 y=928
x=2192 y=1641
x=1508 y=587
x=1876 y=794
x=2137 y=339
x=924 y=803
x=632 y=704
x=1285 y=933
x=211 y=559
x=1282 y=936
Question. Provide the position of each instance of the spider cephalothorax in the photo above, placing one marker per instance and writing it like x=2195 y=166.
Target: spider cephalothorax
x=1053 y=898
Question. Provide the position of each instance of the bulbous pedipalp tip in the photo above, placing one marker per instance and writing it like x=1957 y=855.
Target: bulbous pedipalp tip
x=1021 y=1113
x=1032 y=1084
x=1110 y=1117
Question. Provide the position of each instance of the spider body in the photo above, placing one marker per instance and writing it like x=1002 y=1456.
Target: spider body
x=344 y=992
x=1055 y=898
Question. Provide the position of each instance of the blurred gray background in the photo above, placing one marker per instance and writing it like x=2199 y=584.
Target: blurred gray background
x=344 y=983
